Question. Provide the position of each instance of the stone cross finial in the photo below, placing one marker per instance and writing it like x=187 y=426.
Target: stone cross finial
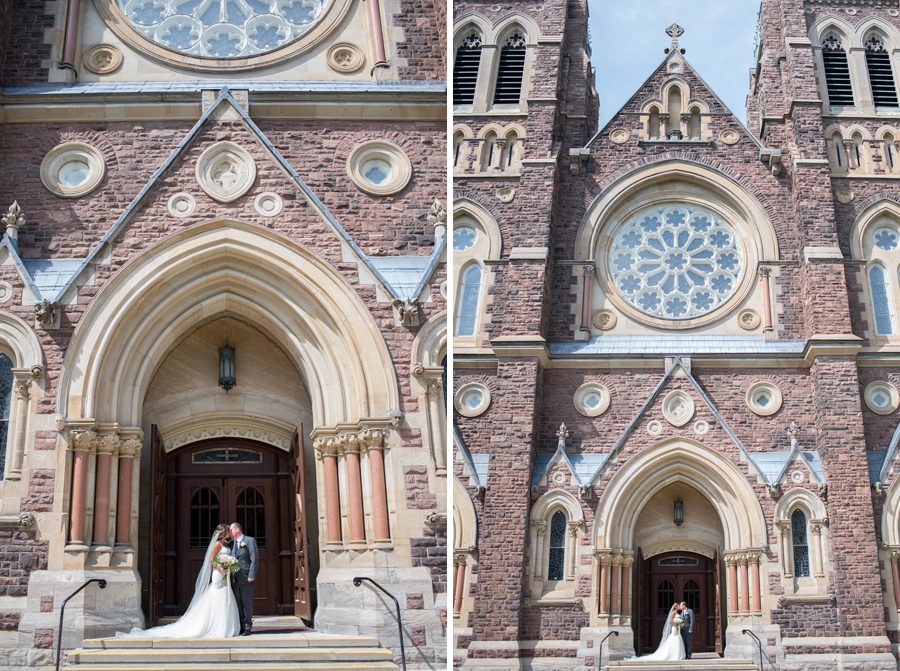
x=674 y=31
x=562 y=434
x=13 y=220
x=793 y=432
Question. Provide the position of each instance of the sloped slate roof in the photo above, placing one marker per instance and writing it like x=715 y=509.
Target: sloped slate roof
x=477 y=464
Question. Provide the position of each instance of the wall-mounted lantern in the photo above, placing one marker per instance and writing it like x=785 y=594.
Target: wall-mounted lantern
x=679 y=512
x=226 y=368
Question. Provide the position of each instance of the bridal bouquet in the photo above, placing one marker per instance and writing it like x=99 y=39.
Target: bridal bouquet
x=226 y=562
x=677 y=622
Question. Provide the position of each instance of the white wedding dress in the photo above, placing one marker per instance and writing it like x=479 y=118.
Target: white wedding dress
x=212 y=613
x=671 y=648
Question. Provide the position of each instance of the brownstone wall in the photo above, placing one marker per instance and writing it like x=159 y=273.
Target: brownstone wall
x=425 y=39
x=27 y=49
x=20 y=554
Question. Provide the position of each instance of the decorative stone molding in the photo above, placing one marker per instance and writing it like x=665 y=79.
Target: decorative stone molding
x=268 y=204
x=678 y=408
x=72 y=169
x=678 y=546
x=182 y=205
x=701 y=427
x=654 y=427
x=772 y=158
x=435 y=520
x=6 y=291
x=764 y=398
x=506 y=194
x=844 y=196
x=472 y=399
x=345 y=57
x=102 y=59
x=407 y=312
x=108 y=444
x=177 y=436
x=17 y=521
x=577 y=157
x=881 y=397
x=749 y=320
x=45 y=314
x=592 y=399
x=13 y=220
x=604 y=320
x=437 y=218
x=346 y=442
x=619 y=135
x=84 y=441
x=379 y=167
x=225 y=171
x=729 y=136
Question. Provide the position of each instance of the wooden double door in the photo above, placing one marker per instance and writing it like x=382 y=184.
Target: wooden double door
x=674 y=577
x=229 y=480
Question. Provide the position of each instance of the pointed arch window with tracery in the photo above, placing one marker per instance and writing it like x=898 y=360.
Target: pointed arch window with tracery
x=465 y=69
x=881 y=74
x=837 y=72
x=510 y=70
x=6 y=386
x=800 y=544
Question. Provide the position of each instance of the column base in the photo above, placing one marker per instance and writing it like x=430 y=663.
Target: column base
x=862 y=653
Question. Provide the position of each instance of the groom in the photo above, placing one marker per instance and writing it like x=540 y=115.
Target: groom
x=687 y=627
x=243 y=548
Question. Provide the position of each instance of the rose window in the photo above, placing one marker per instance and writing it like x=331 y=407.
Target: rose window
x=675 y=261
x=222 y=28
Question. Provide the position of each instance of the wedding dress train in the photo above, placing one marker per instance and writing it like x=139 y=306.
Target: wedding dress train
x=212 y=613
x=671 y=647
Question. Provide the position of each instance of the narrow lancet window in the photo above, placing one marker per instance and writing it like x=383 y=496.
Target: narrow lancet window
x=881 y=76
x=510 y=71
x=469 y=292
x=6 y=384
x=881 y=306
x=800 y=544
x=837 y=72
x=556 y=560
x=465 y=69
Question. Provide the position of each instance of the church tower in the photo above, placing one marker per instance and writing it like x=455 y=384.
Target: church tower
x=675 y=357
x=221 y=301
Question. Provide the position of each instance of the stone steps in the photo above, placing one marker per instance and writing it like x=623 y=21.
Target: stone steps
x=307 y=651
x=714 y=664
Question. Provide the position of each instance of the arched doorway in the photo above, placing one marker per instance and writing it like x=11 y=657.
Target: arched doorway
x=636 y=521
x=227 y=480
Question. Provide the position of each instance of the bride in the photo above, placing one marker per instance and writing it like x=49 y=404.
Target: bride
x=671 y=647
x=213 y=611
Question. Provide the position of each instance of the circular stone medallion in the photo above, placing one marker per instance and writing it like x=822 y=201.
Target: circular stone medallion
x=268 y=204
x=345 y=57
x=225 y=171
x=182 y=205
x=619 y=136
x=102 y=59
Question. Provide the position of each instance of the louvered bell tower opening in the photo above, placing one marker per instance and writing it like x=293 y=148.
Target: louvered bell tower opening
x=465 y=70
x=881 y=76
x=837 y=73
x=510 y=71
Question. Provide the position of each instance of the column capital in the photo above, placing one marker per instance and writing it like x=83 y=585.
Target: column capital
x=764 y=270
x=130 y=447
x=603 y=555
x=326 y=447
x=108 y=444
x=22 y=387
x=372 y=439
x=575 y=527
x=84 y=441
x=587 y=269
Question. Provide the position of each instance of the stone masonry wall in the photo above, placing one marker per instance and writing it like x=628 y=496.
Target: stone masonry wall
x=27 y=50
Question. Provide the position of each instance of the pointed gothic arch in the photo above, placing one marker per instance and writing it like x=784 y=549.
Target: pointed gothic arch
x=223 y=267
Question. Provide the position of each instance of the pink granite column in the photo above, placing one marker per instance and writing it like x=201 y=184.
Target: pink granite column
x=327 y=449
x=127 y=452
x=604 y=583
x=626 y=587
x=745 y=587
x=732 y=585
x=354 y=489
x=614 y=588
x=755 y=596
x=82 y=445
x=374 y=440
x=106 y=448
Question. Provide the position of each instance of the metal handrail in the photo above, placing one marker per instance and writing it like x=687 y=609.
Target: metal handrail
x=758 y=644
x=62 y=612
x=356 y=583
x=600 y=651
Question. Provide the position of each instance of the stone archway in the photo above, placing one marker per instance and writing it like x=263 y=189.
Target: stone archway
x=207 y=273
x=717 y=481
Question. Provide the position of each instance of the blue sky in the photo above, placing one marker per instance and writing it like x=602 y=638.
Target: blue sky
x=628 y=38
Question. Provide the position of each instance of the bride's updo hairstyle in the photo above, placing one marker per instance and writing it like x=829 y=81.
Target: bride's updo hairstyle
x=221 y=532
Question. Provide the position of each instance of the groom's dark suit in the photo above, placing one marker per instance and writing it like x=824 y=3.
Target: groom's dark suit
x=687 y=630
x=244 y=550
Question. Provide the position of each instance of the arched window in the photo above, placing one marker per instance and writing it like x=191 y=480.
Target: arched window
x=881 y=300
x=468 y=299
x=881 y=76
x=837 y=144
x=857 y=148
x=510 y=70
x=691 y=596
x=251 y=515
x=465 y=69
x=458 y=145
x=557 y=559
x=800 y=543
x=889 y=152
x=674 y=111
x=837 y=72
x=665 y=595
x=511 y=151
x=6 y=385
x=489 y=158
x=653 y=123
x=694 y=130
x=204 y=516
